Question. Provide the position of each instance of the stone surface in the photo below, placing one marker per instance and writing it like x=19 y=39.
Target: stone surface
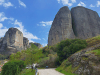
x=37 y=44
x=61 y=27
x=86 y=63
x=80 y=23
x=12 y=41
x=85 y=22
x=25 y=43
x=1 y=41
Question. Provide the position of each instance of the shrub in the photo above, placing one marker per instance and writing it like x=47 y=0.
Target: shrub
x=13 y=67
x=67 y=47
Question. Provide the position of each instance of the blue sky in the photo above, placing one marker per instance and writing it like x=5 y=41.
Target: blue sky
x=34 y=17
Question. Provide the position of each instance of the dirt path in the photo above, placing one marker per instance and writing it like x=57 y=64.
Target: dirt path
x=49 y=72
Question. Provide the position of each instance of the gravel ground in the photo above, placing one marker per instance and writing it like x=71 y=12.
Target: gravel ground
x=49 y=72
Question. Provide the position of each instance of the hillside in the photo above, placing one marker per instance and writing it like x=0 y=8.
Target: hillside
x=85 y=61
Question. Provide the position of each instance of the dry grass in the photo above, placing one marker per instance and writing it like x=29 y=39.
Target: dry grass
x=93 y=41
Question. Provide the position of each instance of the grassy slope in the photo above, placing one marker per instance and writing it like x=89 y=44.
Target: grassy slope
x=27 y=72
x=67 y=70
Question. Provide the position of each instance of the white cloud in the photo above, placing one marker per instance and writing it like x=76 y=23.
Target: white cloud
x=5 y=4
x=3 y=30
x=73 y=1
x=21 y=3
x=42 y=23
x=3 y=17
x=81 y=4
x=44 y=45
x=98 y=3
x=66 y=2
x=44 y=39
x=29 y=35
x=92 y=5
x=58 y=1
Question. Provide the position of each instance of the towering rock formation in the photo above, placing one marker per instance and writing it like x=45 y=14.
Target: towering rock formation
x=13 y=41
x=85 y=22
x=61 y=27
x=81 y=23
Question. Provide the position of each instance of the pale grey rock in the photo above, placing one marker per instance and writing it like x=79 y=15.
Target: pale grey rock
x=61 y=27
x=85 y=22
x=12 y=41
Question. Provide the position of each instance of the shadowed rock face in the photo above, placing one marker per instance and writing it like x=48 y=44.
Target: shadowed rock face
x=85 y=22
x=61 y=27
x=25 y=43
x=36 y=44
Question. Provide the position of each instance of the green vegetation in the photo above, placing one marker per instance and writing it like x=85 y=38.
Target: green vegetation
x=96 y=52
x=93 y=41
x=29 y=56
x=27 y=72
x=68 y=47
x=66 y=68
x=13 y=67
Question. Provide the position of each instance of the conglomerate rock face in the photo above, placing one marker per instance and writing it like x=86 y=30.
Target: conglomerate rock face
x=80 y=23
x=13 y=41
x=61 y=27
x=85 y=22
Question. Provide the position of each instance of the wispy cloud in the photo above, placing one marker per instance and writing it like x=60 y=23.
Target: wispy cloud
x=81 y=4
x=66 y=2
x=3 y=30
x=3 y=17
x=27 y=34
x=21 y=3
x=44 y=45
x=42 y=23
x=44 y=39
x=5 y=4
x=58 y=1
x=92 y=5
x=17 y=25
x=98 y=3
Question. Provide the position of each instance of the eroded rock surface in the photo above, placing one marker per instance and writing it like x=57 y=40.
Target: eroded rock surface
x=25 y=43
x=86 y=63
x=85 y=22
x=80 y=23
x=13 y=41
x=61 y=27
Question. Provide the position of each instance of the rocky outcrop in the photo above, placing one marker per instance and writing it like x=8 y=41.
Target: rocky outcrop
x=85 y=22
x=61 y=27
x=86 y=63
x=13 y=41
x=37 y=44
x=25 y=43
x=81 y=23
